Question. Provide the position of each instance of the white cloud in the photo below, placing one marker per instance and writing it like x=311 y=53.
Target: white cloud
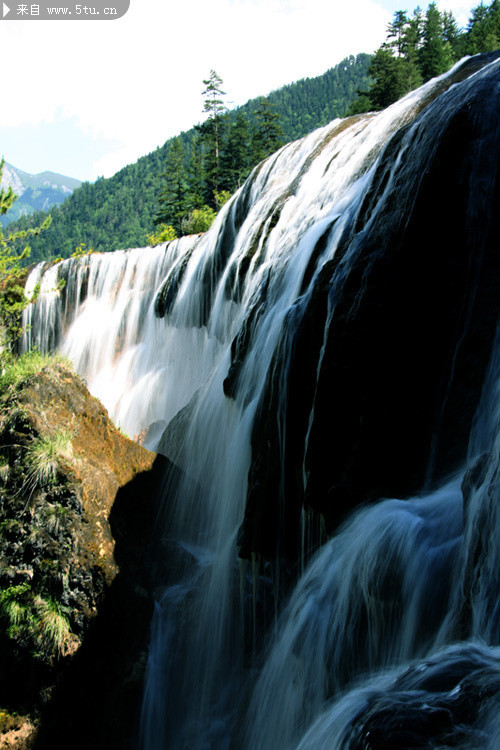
x=460 y=10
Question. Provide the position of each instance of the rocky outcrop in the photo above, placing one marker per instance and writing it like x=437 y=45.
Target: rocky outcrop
x=77 y=508
x=443 y=701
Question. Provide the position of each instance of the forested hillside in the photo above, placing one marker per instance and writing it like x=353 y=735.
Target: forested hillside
x=312 y=102
x=119 y=211
x=420 y=46
x=178 y=188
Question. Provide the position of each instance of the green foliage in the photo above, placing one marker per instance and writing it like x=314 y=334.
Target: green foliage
x=221 y=197
x=421 y=47
x=19 y=368
x=7 y=197
x=14 y=606
x=172 y=199
x=119 y=211
x=388 y=74
x=436 y=55
x=267 y=135
x=312 y=102
x=41 y=624
x=164 y=233
x=41 y=517
x=221 y=158
x=199 y=220
x=236 y=158
x=212 y=130
x=213 y=104
x=52 y=628
x=80 y=251
x=483 y=31
x=44 y=456
x=12 y=298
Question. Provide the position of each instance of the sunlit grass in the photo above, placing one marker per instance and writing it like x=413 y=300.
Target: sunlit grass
x=37 y=621
x=53 y=628
x=19 y=368
x=44 y=457
x=14 y=607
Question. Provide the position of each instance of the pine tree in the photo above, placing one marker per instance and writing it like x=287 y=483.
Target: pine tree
x=410 y=47
x=268 y=134
x=477 y=30
x=436 y=55
x=235 y=161
x=212 y=128
x=389 y=80
x=493 y=38
x=173 y=196
x=7 y=197
x=483 y=31
x=453 y=35
x=396 y=31
x=196 y=174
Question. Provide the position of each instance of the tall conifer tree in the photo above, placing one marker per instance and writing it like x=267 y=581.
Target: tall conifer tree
x=267 y=135
x=211 y=130
x=235 y=162
x=172 y=198
x=436 y=54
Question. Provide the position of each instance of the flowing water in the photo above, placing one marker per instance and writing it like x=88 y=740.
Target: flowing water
x=178 y=342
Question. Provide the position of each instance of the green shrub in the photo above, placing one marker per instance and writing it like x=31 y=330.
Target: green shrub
x=199 y=220
x=80 y=251
x=164 y=233
x=221 y=197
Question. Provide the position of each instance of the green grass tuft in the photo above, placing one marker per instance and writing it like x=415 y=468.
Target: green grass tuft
x=14 y=606
x=53 y=628
x=44 y=457
x=19 y=368
x=41 y=624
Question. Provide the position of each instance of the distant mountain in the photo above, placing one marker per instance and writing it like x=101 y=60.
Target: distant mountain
x=118 y=211
x=36 y=192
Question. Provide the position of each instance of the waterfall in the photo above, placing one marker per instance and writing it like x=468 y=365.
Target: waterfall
x=314 y=365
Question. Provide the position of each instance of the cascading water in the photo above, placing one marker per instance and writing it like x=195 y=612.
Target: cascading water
x=229 y=353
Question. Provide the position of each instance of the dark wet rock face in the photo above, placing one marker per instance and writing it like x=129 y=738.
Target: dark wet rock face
x=442 y=702
x=411 y=301
x=476 y=605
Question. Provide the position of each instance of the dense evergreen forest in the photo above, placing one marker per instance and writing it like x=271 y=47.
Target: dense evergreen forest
x=420 y=46
x=178 y=188
x=120 y=211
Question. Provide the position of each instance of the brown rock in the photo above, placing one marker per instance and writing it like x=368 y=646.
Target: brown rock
x=103 y=459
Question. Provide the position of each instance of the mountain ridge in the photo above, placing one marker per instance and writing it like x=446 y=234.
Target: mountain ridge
x=35 y=192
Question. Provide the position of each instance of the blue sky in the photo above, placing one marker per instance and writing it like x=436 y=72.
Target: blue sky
x=85 y=98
